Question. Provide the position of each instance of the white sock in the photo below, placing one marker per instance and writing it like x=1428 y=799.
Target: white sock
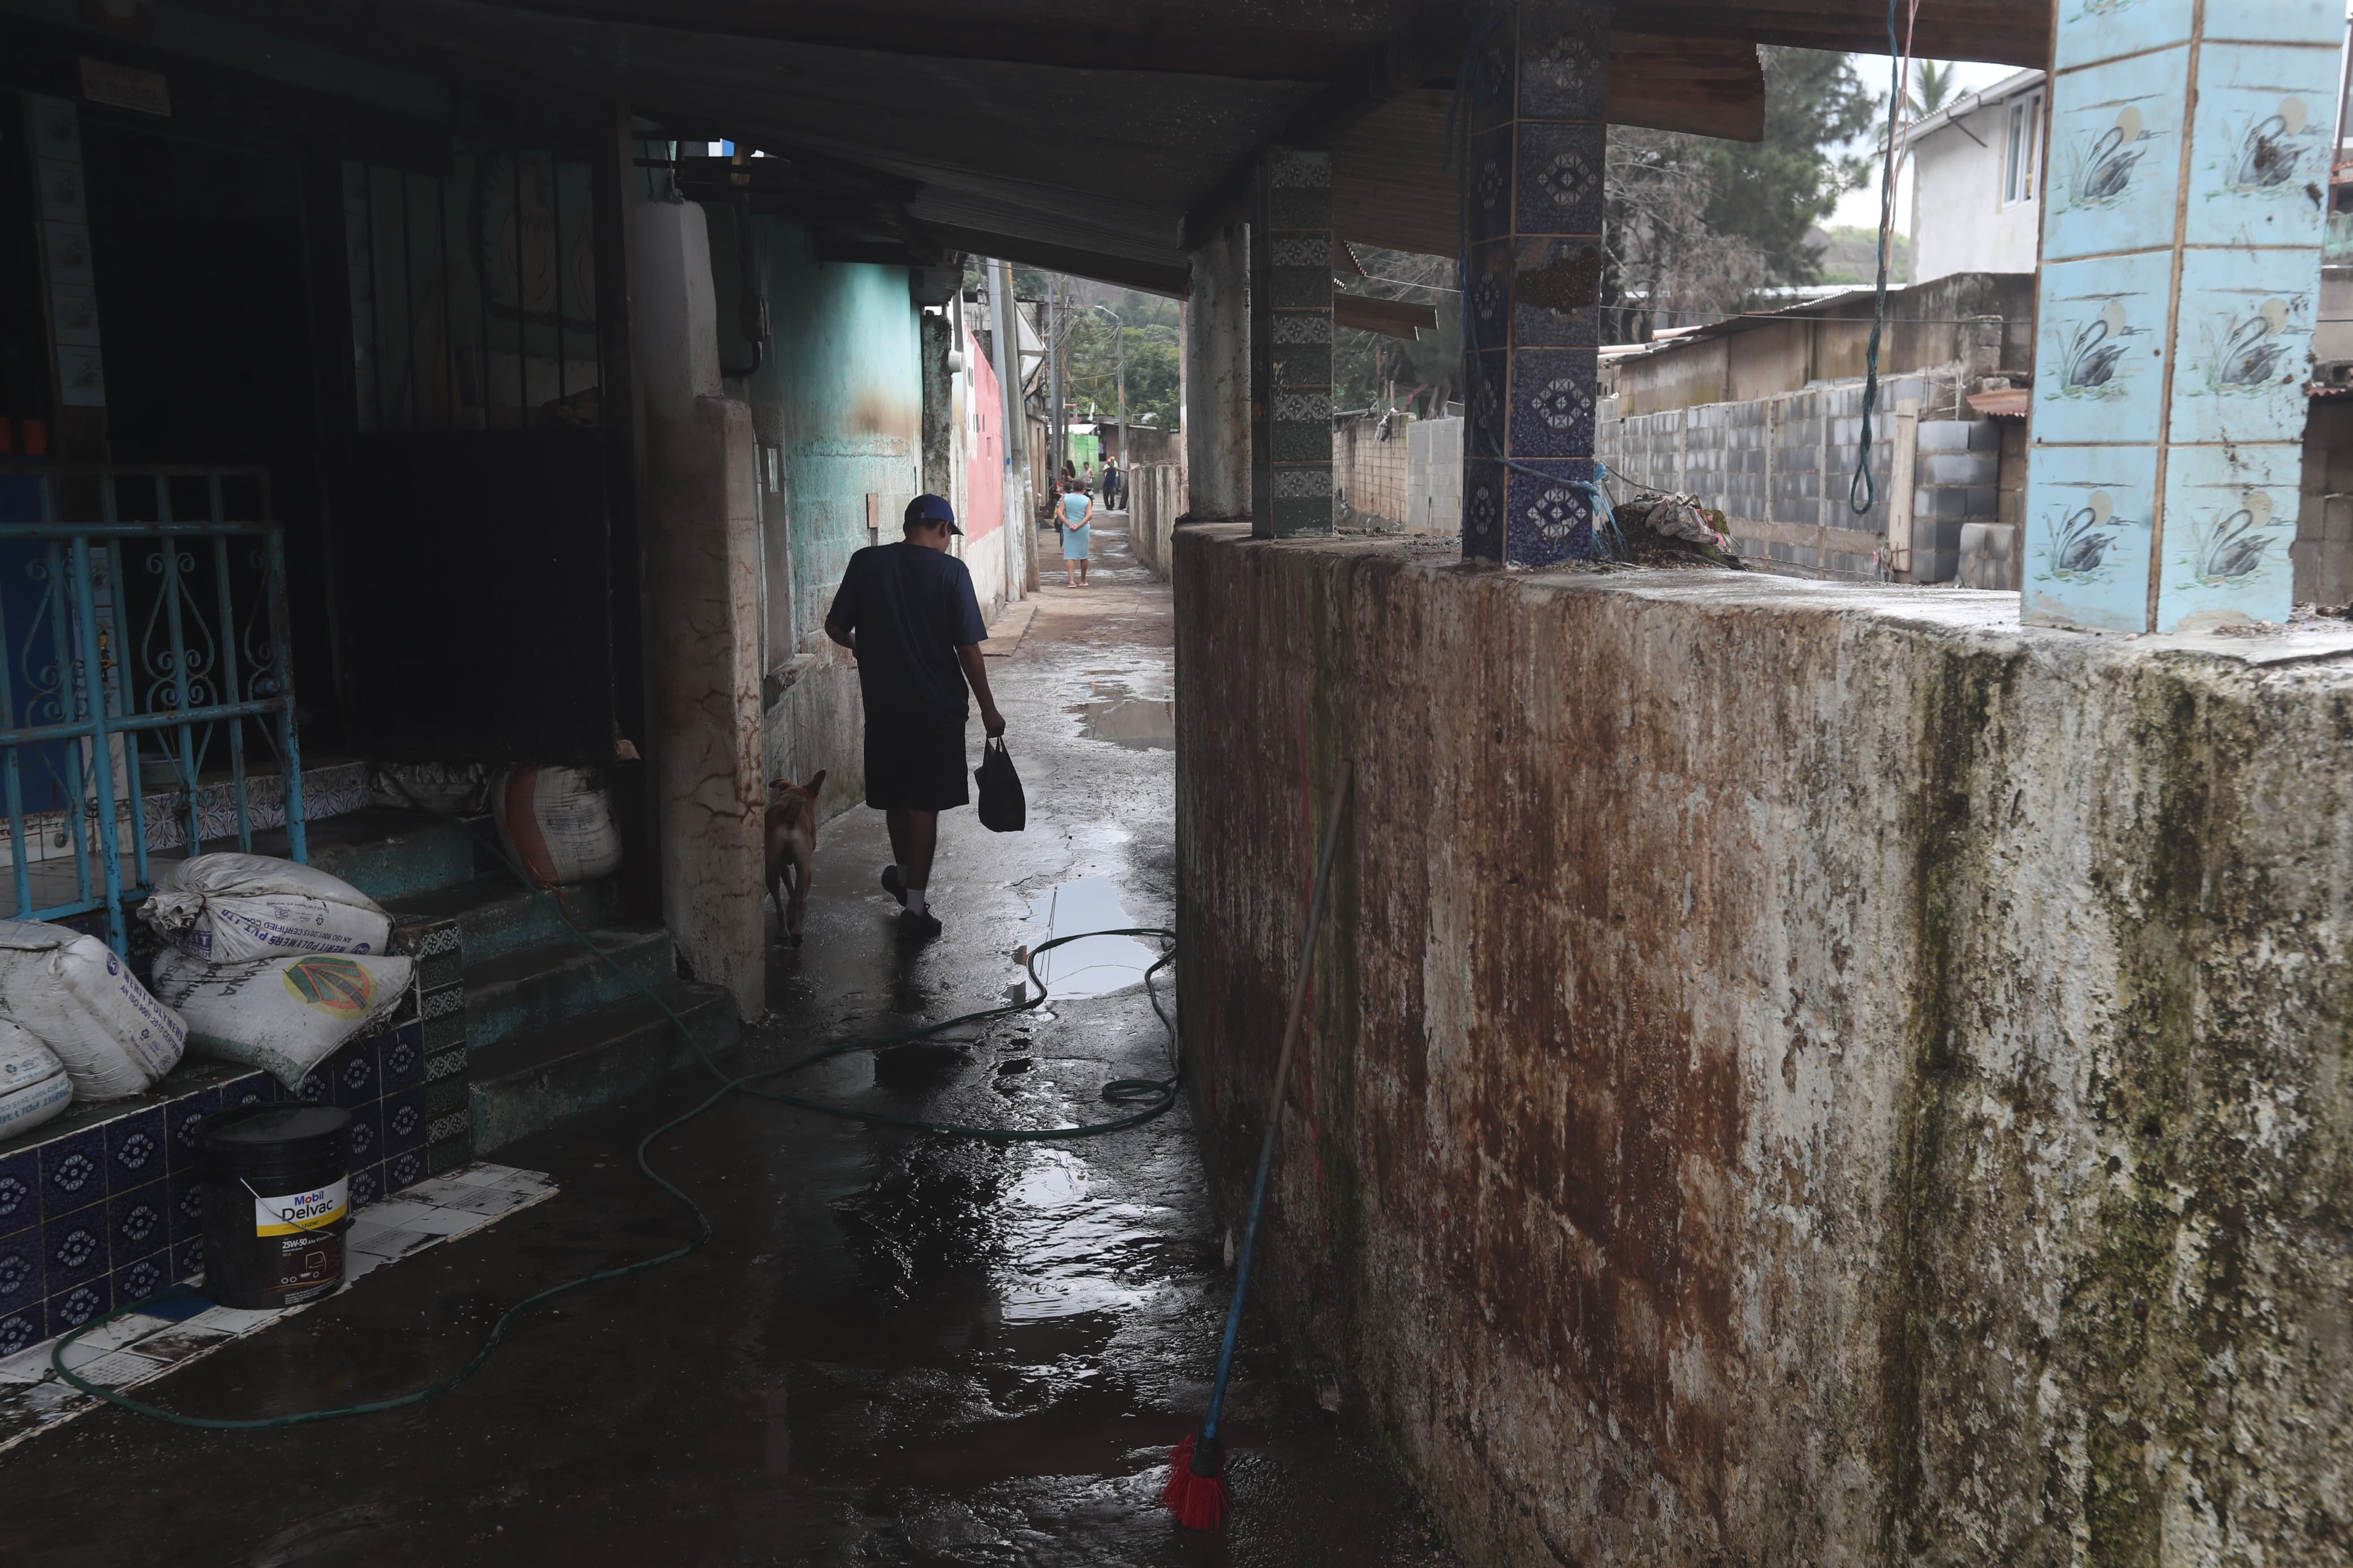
x=915 y=899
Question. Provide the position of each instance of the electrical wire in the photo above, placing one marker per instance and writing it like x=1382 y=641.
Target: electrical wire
x=1861 y=490
x=1156 y=1096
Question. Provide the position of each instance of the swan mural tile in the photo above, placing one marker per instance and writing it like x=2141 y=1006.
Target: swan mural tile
x=2116 y=156
x=2281 y=22
x=2259 y=166
x=2100 y=349
x=2230 y=516
x=2094 y=31
x=2087 y=533
x=2243 y=346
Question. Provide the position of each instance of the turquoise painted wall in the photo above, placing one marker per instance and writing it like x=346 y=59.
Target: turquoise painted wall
x=840 y=393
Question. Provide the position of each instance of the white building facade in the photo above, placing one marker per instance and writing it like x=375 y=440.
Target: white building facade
x=1976 y=182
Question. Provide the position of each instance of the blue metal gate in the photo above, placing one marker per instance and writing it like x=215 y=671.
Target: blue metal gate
x=142 y=628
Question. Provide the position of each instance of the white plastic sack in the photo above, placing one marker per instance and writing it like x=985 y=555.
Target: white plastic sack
x=33 y=1082
x=284 y=1015
x=558 y=821
x=235 y=908
x=72 y=993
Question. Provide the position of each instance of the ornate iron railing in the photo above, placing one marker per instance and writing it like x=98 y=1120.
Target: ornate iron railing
x=142 y=628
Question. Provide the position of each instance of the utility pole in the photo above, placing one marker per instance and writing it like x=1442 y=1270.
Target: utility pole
x=1054 y=427
x=1015 y=429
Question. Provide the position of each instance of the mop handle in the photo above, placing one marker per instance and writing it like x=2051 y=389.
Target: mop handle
x=1340 y=789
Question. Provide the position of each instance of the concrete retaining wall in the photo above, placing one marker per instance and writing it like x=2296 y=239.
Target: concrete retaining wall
x=1368 y=468
x=1799 y=1073
x=1155 y=499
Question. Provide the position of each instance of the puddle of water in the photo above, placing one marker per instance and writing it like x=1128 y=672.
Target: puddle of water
x=1135 y=723
x=1096 y=966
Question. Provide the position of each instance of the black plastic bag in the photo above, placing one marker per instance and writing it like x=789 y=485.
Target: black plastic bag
x=1002 y=807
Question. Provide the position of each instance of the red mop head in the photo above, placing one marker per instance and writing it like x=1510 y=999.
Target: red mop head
x=1197 y=1491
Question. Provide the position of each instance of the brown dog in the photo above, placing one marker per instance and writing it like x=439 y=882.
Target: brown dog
x=792 y=849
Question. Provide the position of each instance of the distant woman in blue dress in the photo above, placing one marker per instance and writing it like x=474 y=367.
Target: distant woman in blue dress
x=1077 y=512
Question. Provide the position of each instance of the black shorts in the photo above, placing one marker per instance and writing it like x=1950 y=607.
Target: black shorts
x=917 y=772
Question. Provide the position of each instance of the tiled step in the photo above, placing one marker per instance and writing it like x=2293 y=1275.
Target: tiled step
x=533 y=986
x=556 y=1072
x=499 y=916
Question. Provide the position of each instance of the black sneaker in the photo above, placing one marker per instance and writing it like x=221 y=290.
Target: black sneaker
x=894 y=884
x=917 y=925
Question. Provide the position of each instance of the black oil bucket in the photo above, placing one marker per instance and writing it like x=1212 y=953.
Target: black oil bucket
x=275 y=1202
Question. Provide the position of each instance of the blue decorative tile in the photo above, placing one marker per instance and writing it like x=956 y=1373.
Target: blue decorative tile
x=139 y=1221
x=1483 y=485
x=181 y=1119
x=1486 y=404
x=253 y=1089
x=2243 y=346
x=24 y=1277
x=1558 y=187
x=73 y=1170
x=317 y=1087
x=1564 y=63
x=2091 y=30
x=366 y=1186
x=2230 y=516
x=1488 y=324
x=142 y=1276
x=403 y=1171
x=2260 y=145
x=73 y=1247
x=135 y=1149
x=1548 y=518
x=2100 y=364
x=368 y=1134
x=77 y=1304
x=404 y=1121
x=22 y=1327
x=184 y=1199
x=20 y=1190
x=2088 y=522
x=2116 y=156
x=400 y=1058
x=188 y=1258
x=1487 y=206
x=1552 y=403
x=352 y=1070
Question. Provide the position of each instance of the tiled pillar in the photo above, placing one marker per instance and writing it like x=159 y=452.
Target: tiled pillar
x=1532 y=204
x=1291 y=344
x=2180 y=275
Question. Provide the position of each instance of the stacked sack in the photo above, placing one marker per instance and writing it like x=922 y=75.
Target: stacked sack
x=75 y=1023
x=272 y=964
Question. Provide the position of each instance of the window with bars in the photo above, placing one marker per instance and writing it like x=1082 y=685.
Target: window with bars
x=473 y=296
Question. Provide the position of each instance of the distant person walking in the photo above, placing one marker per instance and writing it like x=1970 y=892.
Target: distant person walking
x=1111 y=478
x=908 y=614
x=1077 y=516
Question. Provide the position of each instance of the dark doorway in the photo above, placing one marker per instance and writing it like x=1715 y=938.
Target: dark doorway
x=205 y=308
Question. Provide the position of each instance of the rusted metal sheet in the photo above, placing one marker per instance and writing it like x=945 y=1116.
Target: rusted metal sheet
x=1800 y=1075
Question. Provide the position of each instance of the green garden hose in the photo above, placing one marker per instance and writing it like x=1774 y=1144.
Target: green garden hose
x=1154 y=1095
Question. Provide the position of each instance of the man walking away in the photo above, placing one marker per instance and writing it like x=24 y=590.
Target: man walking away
x=1112 y=477
x=908 y=614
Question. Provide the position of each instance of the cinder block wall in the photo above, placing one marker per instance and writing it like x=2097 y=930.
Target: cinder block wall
x=1782 y=468
x=1369 y=466
x=1433 y=469
x=1797 y=1073
x=2323 y=550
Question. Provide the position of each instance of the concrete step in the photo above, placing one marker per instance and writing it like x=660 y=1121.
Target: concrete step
x=498 y=915
x=386 y=853
x=548 y=982
x=556 y=1072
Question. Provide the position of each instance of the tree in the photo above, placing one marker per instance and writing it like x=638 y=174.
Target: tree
x=1666 y=266
x=1772 y=193
x=1934 y=83
x=1367 y=366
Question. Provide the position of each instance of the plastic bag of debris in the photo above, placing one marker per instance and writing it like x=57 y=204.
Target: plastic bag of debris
x=284 y=1015
x=447 y=789
x=557 y=821
x=33 y=1083
x=75 y=996
x=234 y=908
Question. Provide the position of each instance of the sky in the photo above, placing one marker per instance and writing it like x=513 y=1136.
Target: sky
x=1860 y=208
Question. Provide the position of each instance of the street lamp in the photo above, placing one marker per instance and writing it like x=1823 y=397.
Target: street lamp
x=1119 y=360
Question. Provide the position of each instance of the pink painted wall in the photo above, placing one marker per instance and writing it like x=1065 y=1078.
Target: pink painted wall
x=984 y=472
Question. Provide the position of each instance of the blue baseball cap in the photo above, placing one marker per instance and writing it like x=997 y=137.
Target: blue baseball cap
x=929 y=509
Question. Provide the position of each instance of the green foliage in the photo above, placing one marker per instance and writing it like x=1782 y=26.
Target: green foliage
x=1149 y=336
x=1365 y=364
x=1850 y=255
x=1934 y=83
x=1772 y=193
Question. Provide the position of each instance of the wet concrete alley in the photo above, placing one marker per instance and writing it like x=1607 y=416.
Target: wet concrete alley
x=898 y=1347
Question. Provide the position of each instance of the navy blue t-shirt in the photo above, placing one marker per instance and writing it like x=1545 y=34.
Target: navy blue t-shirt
x=912 y=608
